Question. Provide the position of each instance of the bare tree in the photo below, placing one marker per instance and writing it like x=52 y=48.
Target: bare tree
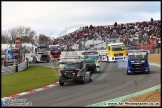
x=27 y=31
x=25 y=34
x=42 y=39
x=13 y=35
x=6 y=35
x=3 y=39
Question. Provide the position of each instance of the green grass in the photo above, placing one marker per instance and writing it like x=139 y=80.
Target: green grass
x=31 y=78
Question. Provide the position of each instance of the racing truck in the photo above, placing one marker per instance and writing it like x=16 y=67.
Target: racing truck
x=12 y=55
x=92 y=60
x=138 y=62
x=40 y=54
x=73 y=69
x=55 y=52
x=103 y=55
x=116 y=52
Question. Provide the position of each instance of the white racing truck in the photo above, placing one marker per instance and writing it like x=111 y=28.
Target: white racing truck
x=40 y=54
x=103 y=55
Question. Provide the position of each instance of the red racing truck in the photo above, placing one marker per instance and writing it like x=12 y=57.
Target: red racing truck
x=55 y=52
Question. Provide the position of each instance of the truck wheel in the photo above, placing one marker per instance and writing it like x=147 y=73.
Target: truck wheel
x=5 y=64
x=90 y=79
x=107 y=59
x=128 y=73
x=34 y=60
x=82 y=80
x=148 y=71
x=61 y=82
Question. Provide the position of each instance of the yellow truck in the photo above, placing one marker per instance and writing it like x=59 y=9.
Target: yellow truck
x=116 y=52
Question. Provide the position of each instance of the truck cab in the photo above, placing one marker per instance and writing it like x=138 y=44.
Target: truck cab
x=92 y=60
x=12 y=55
x=73 y=69
x=138 y=61
x=116 y=52
x=41 y=54
x=55 y=52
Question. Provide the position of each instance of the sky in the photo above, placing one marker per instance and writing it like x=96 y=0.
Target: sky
x=56 y=19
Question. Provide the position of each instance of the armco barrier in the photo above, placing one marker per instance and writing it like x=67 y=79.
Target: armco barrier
x=12 y=69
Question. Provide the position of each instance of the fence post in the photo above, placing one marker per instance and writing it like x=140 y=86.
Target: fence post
x=16 y=68
x=27 y=62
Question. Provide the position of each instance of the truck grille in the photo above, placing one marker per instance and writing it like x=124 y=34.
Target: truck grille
x=16 y=57
x=118 y=58
x=137 y=66
x=119 y=54
x=45 y=57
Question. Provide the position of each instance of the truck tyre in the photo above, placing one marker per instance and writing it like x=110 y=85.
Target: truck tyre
x=5 y=64
x=61 y=82
x=34 y=59
x=107 y=59
x=90 y=79
x=82 y=80
x=148 y=71
x=128 y=73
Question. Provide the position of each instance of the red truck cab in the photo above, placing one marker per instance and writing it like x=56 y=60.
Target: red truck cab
x=55 y=52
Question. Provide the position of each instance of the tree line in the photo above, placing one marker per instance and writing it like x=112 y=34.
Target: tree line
x=25 y=35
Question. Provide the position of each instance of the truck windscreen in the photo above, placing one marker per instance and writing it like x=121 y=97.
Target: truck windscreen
x=15 y=51
x=42 y=49
x=137 y=57
x=55 y=48
x=117 y=47
x=69 y=66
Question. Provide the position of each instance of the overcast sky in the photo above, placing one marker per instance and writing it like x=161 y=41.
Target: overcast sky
x=51 y=18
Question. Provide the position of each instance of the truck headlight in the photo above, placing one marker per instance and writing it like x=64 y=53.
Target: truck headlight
x=142 y=60
x=96 y=62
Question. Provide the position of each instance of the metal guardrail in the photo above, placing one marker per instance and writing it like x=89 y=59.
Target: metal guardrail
x=13 y=69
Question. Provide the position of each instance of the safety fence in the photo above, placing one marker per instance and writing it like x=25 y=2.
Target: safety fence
x=15 y=68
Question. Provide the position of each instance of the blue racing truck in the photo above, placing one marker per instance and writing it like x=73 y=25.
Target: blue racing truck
x=138 y=61
x=11 y=55
x=92 y=60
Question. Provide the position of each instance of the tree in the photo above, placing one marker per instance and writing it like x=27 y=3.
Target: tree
x=42 y=39
x=5 y=35
x=3 y=39
x=13 y=35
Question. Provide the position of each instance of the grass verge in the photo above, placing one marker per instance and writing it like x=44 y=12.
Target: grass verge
x=31 y=78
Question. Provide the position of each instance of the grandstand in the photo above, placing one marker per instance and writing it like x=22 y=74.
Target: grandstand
x=142 y=35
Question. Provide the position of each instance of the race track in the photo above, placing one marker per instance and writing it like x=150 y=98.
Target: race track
x=111 y=83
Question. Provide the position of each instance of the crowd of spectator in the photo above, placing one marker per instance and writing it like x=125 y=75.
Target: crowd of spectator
x=136 y=33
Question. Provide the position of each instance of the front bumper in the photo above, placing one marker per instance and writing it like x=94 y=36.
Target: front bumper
x=55 y=56
x=134 y=70
x=69 y=78
x=122 y=58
